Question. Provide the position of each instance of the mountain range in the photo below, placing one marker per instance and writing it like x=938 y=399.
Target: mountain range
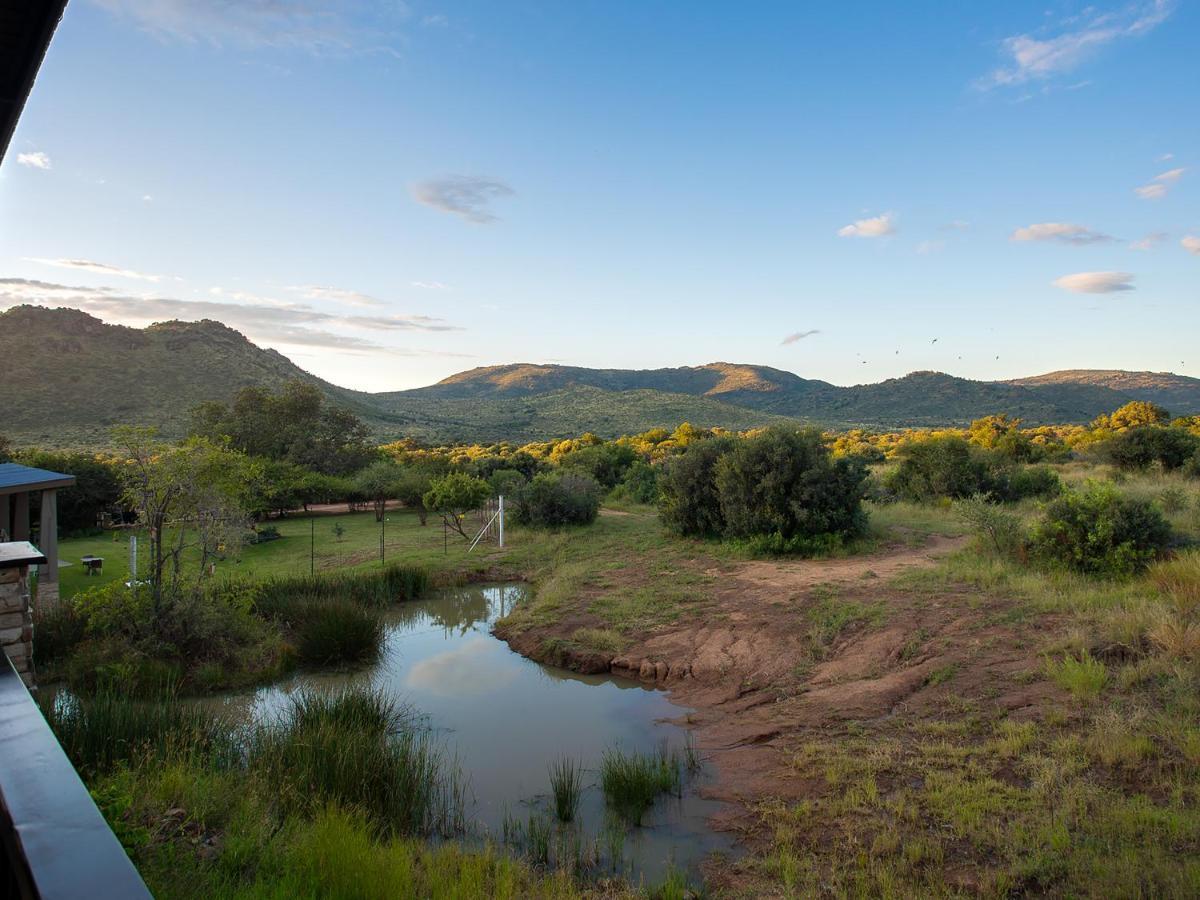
x=69 y=377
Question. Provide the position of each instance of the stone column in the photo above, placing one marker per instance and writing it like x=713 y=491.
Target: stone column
x=16 y=621
x=47 y=586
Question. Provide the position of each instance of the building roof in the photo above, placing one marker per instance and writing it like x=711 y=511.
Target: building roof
x=15 y=478
x=19 y=554
x=25 y=30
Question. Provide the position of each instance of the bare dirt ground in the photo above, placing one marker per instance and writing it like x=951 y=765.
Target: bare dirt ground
x=790 y=649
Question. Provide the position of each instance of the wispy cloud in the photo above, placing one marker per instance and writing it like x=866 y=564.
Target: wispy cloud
x=956 y=225
x=430 y=285
x=1191 y=243
x=315 y=26
x=34 y=160
x=336 y=295
x=464 y=195
x=879 y=226
x=272 y=322
x=1062 y=232
x=1096 y=282
x=927 y=247
x=98 y=268
x=798 y=336
x=1032 y=58
x=1150 y=241
x=1158 y=187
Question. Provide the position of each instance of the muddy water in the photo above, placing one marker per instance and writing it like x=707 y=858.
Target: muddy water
x=508 y=718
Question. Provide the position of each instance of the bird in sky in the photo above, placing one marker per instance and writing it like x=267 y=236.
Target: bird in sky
x=934 y=341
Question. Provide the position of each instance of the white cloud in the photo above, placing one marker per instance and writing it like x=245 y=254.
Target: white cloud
x=261 y=319
x=431 y=285
x=435 y=21
x=1036 y=59
x=337 y=295
x=146 y=198
x=1171 y=176
x=1191 y=243
x=879 y=226
x=464 y=195
x=35 y=160
x=1063 y=232
x=99 y=268
x=1166 y=156
x=1095 y=282
x=798 y=336
x=1162 y=182
x=1149 y=241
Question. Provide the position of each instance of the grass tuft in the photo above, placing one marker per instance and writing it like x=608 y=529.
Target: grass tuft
x=566 y=784
x=632 y=781
x=1084 y=676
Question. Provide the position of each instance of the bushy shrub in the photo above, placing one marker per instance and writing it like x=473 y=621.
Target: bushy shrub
x=786 y=483
x=1139 y=448
x=640 y=483
x=554 y=499
x=506 y=482
x=998 y=530
x=1010 y=484
x=780 y=491
x=688 y=502
x=945 y=466
x=1099 y=531
x=606 y=463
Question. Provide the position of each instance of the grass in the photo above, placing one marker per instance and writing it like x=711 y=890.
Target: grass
x=108 y=729
x=632 y=781
x=1085 y=677
x=330 y=632
x=566 y=786
x=356 y=748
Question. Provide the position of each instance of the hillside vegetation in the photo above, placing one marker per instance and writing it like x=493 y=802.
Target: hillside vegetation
x=76 y=376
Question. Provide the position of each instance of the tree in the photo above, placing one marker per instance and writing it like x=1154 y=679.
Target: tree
x=5 y=449
x=453 y=496
x=96 y=489
x=378 y=483
x=688 y=499
x=1131 y=415
x=559 y=498
x=943 y=466
x=1140 y=447
x=189 y=497
x=296 y=425
x=1003 y=436
x=411 y=488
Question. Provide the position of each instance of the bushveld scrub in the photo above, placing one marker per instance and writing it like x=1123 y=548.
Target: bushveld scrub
x=632 y=781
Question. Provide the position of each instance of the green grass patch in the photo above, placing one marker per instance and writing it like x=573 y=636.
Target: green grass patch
x=632 y=781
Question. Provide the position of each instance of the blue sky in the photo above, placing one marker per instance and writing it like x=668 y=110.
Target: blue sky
x=390 y=193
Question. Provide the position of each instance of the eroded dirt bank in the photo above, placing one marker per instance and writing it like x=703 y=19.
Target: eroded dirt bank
x=782 y=651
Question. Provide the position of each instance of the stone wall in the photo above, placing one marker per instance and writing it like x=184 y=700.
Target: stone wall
x=16 y=621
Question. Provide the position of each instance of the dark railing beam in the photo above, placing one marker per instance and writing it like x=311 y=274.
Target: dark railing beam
x=56 y=843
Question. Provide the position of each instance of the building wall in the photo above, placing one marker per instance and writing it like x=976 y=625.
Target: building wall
x=16 y=621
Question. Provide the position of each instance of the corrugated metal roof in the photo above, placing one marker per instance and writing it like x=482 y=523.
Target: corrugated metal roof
x=15 y=477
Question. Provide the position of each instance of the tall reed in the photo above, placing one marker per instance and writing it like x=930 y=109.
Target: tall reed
x=631 y=781
x=566 y=784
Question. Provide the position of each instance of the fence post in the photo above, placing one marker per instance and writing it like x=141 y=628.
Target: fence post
x=501 y=521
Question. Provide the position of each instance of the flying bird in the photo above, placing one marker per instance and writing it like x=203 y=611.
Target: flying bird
x=934 y=341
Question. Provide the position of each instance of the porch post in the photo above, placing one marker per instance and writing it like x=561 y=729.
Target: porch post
x=47 y=592
x=21 y=516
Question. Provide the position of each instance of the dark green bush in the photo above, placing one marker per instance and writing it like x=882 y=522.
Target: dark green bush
x=506 y=482
x=57 y=631
x=780 y=491
x=937 y=467
x=1098 y=531
x=554 y=499
x=640 y=483
x=1010 y=484
x=688 y=500
x=1139 y=448
x=786 y=483
x=606 y=463
x=333 y=632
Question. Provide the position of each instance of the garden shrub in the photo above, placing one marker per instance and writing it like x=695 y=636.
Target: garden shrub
x=1098 y=531
x=554 y=499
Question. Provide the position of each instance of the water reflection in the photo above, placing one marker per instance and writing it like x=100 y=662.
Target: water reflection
x=507 y=719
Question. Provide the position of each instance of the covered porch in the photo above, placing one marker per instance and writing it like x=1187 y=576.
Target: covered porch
x=18 y=485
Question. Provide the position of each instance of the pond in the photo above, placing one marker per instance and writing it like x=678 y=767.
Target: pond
x=508 y=719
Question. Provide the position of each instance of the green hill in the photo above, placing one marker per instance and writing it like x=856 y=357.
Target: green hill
x=69 y=377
